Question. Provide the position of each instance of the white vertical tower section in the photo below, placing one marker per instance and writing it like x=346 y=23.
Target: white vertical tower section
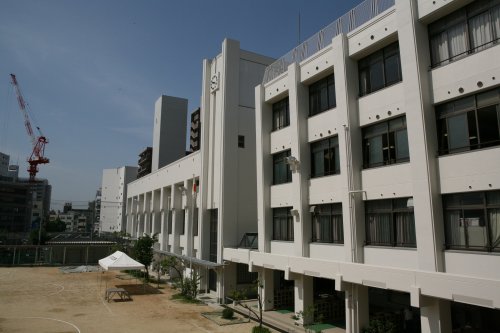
x=169 y=131
x=114 y=195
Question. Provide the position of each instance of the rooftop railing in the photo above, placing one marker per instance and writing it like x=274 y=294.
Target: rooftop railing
x=351 y=20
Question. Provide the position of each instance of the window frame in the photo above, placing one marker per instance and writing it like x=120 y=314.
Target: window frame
x=283 y=216
x=332 y=211
x=280 y=159
x=452 y=110
x=316 y=97
x=281 y=112
x=332 y=148
x=389 y=139
x=485 y=207
x=368 y=64
x=462 y=16
x=392 y=210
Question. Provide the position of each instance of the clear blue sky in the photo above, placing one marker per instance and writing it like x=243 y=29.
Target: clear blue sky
x=91 y=71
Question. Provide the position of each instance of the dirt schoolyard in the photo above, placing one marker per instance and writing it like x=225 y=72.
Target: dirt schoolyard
x=45 y=300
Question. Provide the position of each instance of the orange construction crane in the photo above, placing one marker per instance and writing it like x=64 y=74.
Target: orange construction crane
x=37 y=155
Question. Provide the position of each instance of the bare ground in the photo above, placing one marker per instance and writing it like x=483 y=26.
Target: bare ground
x=44 y=300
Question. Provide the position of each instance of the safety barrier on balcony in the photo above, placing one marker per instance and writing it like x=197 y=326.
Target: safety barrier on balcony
x=351 y=20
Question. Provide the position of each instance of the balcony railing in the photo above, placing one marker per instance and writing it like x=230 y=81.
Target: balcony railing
x=351 y=20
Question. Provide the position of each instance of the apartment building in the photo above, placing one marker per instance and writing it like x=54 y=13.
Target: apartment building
x=378 y=168
x=206 y=200
x=113 y=196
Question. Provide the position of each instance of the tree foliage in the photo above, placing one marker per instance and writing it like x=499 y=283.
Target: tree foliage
x=143 y=251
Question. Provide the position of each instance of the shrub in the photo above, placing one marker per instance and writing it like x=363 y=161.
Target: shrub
x=258 y=329
x=227 y=313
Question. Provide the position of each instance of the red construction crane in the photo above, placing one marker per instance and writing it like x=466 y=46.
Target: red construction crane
x=39 y=142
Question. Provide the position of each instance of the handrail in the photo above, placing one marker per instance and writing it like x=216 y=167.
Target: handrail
x=351 y=20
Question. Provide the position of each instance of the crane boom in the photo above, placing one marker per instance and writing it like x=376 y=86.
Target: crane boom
x=37 y=154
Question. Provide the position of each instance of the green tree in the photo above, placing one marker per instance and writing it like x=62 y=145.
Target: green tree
x=33 y=236
x=56 y=226
x=143 y=251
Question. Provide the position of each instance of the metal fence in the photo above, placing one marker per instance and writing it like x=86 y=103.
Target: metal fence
x=20 y=255
x=351 y=20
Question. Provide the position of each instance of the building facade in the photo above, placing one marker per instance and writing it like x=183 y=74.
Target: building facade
x=145 y=162
x=113 y=198
x=378 y=160
x=197 y=204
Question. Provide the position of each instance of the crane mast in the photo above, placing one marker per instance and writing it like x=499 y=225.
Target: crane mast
x=37 y=154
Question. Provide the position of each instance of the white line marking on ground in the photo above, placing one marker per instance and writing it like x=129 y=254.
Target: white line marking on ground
x=54 y=319
x=199 y=327
x=107 y=307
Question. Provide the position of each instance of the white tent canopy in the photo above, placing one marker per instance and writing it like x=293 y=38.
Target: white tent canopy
x=119 y=261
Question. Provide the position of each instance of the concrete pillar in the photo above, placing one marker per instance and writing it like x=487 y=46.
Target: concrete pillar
x=299 y=113
x=266 y=277
x=357 y=308
x=177 y=217
x=435 y=315
x=188 y=184
x=304 y=297
x=422 y=135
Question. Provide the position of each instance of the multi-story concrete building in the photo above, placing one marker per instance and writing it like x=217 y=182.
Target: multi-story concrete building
x=195 y=134
x=113 y=197
x=378 y=168
x=206 y=200
x=97 y=210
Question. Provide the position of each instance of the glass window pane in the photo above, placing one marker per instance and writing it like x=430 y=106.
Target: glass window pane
x=332 y=100
x=457 y=41
x=495 y=18
x=324 y=96
x=458 y=136
x=472 y=198
x=455 y=229
x=487 y=119
x=375 y=152
x=474 y=220
x=375 y=129
x=480 y=31
x=318 y=167
x=364 y=83
x=402 y=150
x=392 y=69
x=494 y=221
x=493 y=198
x=488 y=98
x=439 y=48
x=376 y=76
x=464 y=104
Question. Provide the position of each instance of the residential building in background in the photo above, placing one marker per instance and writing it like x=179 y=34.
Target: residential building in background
x=97 y=210
x=113 y=197
x=195 y=134
x=145 y=162
x=207 y=200
x=169 y=139
x=378 y=168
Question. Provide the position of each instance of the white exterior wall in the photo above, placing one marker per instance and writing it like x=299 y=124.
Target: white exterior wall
x=169 y=131
x=225 y=172
x=114 y=194
x=432 y=276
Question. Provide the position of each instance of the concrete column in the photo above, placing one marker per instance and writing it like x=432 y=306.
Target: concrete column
x=155 y=204
x=357 y=307
x=188 y=184
x=263 y=123
x=163 y=238
x=266 y=276
x=177 y=216
x=422 y=135
x=299 y=107
x=304 y=297
x=435 y=315
x=351 y=159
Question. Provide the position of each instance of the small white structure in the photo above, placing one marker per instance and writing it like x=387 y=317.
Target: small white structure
x=119 y=261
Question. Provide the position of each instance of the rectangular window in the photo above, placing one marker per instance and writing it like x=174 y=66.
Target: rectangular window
x=281 y=170
x=469 y=123
x=322 y=95
x=195 y=222
x=327 y=224
x=380 y=69
x=169 y=223
x=390 y=222
x=467 y=30
x=385 y=143
x=182 y=222
x=472 y=220
x=282 y=224
x=281 y=114
x=325 y=157
x=241 y=141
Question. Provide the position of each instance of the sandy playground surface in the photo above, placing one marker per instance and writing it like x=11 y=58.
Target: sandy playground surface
x=45 y=300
